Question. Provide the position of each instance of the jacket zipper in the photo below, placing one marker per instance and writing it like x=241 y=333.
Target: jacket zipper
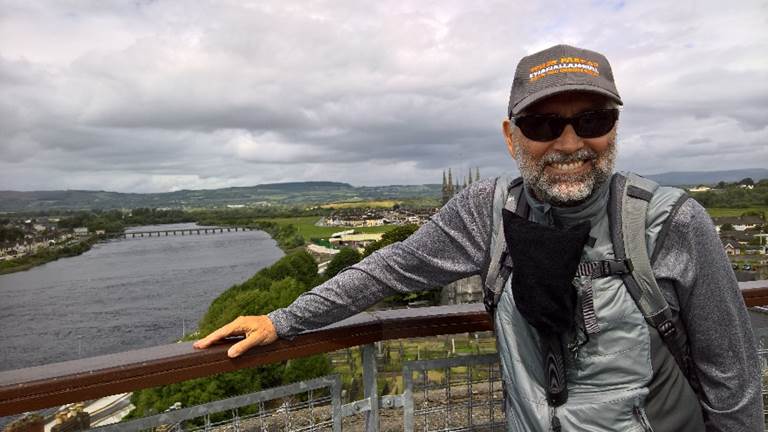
x=642 y=419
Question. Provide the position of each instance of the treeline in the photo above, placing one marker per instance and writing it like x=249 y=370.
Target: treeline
x=244 y=216
x=115 y=221
x=271 y=288
x=10 y=234
x=735 y=195
x=45 y=255
x=286 y=235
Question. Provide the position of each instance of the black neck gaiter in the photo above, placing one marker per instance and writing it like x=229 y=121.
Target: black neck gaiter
x=545 y=260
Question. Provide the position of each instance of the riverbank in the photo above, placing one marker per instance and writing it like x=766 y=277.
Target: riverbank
x=45 y=256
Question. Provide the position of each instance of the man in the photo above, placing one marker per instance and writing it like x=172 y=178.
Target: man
x=561 y=130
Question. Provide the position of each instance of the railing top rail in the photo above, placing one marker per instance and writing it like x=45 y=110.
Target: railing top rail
x=77 y=380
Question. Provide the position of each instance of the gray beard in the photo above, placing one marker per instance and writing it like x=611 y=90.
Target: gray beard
x=566 y=190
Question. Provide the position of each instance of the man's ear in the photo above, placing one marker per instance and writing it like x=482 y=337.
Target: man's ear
x=506 y=129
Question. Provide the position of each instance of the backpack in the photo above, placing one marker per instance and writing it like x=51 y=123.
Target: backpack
x=630 y=196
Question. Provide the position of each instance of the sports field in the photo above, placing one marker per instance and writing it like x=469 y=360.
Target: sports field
x=306 y=227
x=733 y=212
x=362 y=204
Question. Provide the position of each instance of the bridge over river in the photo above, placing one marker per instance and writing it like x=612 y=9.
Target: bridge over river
x=180 y=231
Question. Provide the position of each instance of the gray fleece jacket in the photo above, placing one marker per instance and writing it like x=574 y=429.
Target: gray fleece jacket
x=455 y=244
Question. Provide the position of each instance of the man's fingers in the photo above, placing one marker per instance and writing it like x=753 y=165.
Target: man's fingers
x=259 y=330
x=221 y=333
x=253 y=339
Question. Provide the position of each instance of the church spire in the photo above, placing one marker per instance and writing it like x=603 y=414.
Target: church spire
x=445 y=190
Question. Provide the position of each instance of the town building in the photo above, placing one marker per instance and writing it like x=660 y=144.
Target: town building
x=700 y=188
x=355 y=240
x=731 y=246
x=740 y=223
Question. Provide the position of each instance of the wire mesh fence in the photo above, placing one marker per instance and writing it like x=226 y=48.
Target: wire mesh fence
x=761 y=335
x=455 y=394
x=459 y=393
x=312 y=405
x=448 y=394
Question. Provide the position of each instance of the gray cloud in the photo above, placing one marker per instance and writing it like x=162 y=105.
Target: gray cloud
x=155 y=96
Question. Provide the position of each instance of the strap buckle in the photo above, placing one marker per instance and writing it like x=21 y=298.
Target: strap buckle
x=667 y=330
x=612 y=267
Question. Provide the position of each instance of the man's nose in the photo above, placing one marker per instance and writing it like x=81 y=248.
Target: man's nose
x=568 y=142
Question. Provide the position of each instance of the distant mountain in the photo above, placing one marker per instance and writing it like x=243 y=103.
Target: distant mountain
x=298 y=193
x=694 y=178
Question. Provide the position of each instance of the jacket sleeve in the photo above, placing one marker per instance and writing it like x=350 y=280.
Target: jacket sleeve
x=451 y=245
x=717 y=322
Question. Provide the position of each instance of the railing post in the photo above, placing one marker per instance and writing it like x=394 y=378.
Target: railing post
x=407 y=397
x=370 y=388
x=336 y=403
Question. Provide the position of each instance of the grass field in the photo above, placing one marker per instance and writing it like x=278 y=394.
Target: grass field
x=733 y=212
x=361 y=204
x=306 y=227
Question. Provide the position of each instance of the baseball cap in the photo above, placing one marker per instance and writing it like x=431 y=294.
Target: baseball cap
x=559 y=69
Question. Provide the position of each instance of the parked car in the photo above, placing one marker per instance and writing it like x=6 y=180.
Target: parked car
x=747 y=267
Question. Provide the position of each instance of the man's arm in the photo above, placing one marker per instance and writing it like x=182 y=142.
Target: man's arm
x=716 y=319
x=451 y=245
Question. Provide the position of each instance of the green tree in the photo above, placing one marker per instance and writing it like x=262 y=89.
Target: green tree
x=393 y=236
x=290 y=275
x=10 y=234
x=726 y=227
x=747 y=181
x=397 y=235
x=271 y=288
x=345 y=258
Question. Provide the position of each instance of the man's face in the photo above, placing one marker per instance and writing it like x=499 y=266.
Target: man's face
x=566 y=170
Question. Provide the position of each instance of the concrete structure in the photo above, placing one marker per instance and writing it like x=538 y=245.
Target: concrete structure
x=355 y=240
x=467 y=290
x=342 y=233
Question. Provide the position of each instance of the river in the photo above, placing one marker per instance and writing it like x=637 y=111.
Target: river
x=122 y=294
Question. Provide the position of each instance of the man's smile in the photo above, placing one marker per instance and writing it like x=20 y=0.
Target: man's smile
x=572 y=167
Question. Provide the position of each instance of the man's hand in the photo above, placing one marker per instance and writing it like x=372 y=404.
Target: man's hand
x=258 y=330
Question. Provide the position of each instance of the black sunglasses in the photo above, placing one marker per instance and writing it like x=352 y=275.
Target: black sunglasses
x=546 y=127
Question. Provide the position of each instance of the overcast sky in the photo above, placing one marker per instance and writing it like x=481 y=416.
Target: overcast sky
x=152 y=96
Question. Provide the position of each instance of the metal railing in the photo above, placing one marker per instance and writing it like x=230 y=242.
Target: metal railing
x=459 y=393
x=453 y=394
